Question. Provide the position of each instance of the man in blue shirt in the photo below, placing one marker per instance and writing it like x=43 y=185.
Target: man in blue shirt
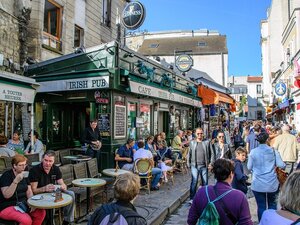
x=124 y=155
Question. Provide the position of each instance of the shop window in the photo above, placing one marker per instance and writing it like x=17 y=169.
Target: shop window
x=177 y=120
x=144 y=116
x=78 y=36
x=184 y=119
x=106 y=13
x=259 y=115
x=52 y=25
x=258 y=89
x=131 y=120
x=57 y=125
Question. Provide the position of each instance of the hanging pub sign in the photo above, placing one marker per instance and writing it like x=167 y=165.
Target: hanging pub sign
x=280 y=89
x=184 y=63
x=133 y=15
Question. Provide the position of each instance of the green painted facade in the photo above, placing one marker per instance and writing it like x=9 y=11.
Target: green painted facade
x=117 y=86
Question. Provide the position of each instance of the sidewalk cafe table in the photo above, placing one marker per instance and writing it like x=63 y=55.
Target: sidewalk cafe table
x=78 y=158
x=88 y=183
x=114 y=172
x=46 y=201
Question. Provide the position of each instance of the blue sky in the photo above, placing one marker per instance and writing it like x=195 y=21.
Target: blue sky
x=239 y=20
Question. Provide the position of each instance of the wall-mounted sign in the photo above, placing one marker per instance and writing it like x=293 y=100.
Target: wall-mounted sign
x=133 y=15
x=280 y=89
x=104 y=124
x=75 y=84
x=120 y=122
x=143 y=89
x=101 y=97
x=13 y=93
x=184 y=63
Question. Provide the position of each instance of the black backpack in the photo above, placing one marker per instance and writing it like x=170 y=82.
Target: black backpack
x=112 y=209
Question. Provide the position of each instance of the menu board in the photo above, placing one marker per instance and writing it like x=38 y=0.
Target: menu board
x=120 y=122
x=104 y=124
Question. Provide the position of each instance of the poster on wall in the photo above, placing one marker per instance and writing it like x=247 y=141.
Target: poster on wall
x=120 y=122
x=104 y=124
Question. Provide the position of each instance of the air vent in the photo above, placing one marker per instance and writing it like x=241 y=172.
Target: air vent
x=153 y=45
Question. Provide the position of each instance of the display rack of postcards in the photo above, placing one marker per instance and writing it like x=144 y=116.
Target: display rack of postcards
x=213 y=123
x=232 y=123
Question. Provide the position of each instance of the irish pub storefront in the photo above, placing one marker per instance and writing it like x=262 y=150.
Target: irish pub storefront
x=130 y=95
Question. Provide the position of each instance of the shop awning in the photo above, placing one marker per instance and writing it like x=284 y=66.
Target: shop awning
x=210 y=96
x=16 y=88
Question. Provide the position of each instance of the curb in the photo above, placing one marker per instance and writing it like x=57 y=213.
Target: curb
x=159 y=219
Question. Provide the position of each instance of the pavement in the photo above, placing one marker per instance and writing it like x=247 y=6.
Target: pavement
x=169 y=205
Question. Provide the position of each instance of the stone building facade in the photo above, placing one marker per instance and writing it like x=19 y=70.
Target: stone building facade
x=37 y=30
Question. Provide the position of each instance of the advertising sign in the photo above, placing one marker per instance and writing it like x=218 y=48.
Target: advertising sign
x=184 y=63
x=133 y=15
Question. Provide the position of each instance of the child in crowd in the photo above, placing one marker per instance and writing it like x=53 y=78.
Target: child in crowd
x=164 y=156
x=240 y=179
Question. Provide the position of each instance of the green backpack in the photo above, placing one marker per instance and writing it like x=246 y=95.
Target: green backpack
x=210 y=215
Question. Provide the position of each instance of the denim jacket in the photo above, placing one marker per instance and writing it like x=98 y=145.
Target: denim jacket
x=261 y=162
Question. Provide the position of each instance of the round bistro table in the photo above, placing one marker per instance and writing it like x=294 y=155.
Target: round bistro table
x=114 y=172
x=88 y=183
x=46 y=201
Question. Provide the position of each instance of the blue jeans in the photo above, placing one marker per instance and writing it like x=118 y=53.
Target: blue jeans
x=156 y=173
x=265 y=200
x=203 y=172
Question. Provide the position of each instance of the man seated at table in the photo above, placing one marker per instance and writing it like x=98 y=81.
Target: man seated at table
x=44 y=176
x=141 y=153
x=124 y=155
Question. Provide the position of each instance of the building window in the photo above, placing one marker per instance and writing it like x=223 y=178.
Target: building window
x=258 y=89
x=78 y=36
x=106 y=13
x=52 y=24
x=201 y=44
x=153 y=45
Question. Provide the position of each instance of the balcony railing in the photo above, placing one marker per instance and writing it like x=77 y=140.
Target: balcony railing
x=51 y=41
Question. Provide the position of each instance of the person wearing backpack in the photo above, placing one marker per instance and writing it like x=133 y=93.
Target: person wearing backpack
x=220 y=204
x=122 y=211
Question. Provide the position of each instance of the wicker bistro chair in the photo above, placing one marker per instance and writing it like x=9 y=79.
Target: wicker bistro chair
x=180 y=164
x=92 y=167
x=68 y=177
x=33 y=159
x=143 y=168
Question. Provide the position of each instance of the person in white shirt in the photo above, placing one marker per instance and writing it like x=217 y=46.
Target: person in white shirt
x=141 y=153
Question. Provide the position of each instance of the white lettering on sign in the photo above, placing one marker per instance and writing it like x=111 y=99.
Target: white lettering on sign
x=75 y=84
x=158 y=93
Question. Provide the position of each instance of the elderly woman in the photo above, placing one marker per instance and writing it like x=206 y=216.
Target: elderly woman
x=265 y=185
x=16 y=188
x=4 y=150
x=290 y=204
x=233 y=208
x=15 y=143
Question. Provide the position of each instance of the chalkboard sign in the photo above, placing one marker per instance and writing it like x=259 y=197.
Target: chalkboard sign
x=120 y=122
x=104 y=124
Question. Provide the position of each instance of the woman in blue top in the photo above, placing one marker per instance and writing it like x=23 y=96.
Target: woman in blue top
x=265 y=185
x=15 y=143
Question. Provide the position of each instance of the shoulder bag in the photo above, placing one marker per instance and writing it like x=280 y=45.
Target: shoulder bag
x=281 y=174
